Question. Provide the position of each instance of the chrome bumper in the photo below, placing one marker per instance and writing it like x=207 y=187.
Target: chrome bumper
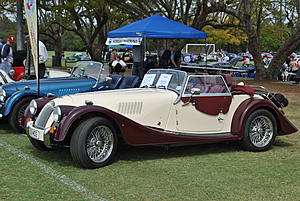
x=39 y=134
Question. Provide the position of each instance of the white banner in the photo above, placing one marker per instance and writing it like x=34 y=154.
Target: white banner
x=124 y=41
x=31 y=19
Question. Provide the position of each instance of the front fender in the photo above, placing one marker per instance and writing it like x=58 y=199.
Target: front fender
x=15 y=97
x=74 y=115
x=248 y=106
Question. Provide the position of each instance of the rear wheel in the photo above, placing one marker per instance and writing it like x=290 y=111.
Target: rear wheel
x=260 y=131
x=17 y=113
x=94 y=143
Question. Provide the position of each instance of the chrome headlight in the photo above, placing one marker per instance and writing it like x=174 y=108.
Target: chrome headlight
x=56 y=114
x=33 y=107
x=2 y=94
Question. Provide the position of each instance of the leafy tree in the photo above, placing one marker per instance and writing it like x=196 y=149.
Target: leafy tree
x=87 y=18
x=272 y=37
x=7 y=26
x=225 y=37
x=72 y=42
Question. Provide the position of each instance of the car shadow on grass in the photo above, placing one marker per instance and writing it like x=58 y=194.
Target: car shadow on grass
x=62 y=156
x=282 y=143
x=130 y=153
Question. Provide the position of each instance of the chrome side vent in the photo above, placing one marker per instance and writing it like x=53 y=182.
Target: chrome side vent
x=130 y=107
x=63 y=92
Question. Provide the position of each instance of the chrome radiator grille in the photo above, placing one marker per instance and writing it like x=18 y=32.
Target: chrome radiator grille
x=44 y=115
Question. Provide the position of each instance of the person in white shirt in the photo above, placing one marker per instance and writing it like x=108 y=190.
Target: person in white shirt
x=118 y=65
x=43 y=56
x=6 y=54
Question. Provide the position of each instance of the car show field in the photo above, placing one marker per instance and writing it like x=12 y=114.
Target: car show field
x=215 y=171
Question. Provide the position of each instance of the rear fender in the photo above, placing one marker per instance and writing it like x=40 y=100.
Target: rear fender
x=284 y=126
x=14 y=98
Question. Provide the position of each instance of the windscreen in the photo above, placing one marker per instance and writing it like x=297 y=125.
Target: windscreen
x=90 y=69
x=164 y=78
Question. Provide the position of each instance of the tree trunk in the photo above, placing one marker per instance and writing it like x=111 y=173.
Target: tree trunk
x=58 y=49
x=283 y=52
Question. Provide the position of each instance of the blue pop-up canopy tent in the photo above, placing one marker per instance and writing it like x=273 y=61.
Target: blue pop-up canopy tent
x=157 y=26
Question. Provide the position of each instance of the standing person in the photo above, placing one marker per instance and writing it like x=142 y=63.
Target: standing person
x=164 y=59
x=7 y=52
x=1 y=45
x=149 y=64
x=113 y=57
x=172 y=62
x=295 y=69
x=284 y=72
x=177 y=58
x=43 y=56
x=138 y=67
x=247 y=61
x=62 y=54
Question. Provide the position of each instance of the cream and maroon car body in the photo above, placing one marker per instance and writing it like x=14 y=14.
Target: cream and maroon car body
x=170 y=107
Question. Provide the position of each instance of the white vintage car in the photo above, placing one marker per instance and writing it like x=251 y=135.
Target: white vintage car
x=170 y=107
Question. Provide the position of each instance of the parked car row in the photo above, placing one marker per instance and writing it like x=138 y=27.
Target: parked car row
x=90 y=112
x=78 y=57
x=85 y=76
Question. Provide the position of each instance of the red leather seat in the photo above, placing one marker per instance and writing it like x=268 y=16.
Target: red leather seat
x=228 y=79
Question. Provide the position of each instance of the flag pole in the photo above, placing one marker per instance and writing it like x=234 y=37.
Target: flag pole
x=38 y=49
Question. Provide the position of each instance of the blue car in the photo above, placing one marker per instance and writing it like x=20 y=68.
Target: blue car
x=86 y=76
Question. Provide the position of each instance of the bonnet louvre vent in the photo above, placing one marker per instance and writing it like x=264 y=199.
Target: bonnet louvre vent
x=130 y=107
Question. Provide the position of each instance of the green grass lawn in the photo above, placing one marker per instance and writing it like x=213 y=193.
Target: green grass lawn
x=219 y=171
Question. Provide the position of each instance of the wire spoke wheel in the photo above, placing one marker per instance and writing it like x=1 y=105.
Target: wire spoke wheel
x=261 y=131
x=94 y=143
x=21 y=113
x=100 y=144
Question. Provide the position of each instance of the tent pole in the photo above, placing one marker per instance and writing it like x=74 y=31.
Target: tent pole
x=206 y=52
x=145 y=47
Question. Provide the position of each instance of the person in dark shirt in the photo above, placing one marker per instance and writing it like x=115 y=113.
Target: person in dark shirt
x=149 y=64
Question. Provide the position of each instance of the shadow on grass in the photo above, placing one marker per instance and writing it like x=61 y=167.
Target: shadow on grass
x=281 y=143
x=62 y=157
x=130 y=153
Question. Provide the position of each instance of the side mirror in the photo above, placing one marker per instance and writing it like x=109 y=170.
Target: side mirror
x=108 y=79
x=69 y=70
x=11 y=73
x=82 y=71
x=195 y=91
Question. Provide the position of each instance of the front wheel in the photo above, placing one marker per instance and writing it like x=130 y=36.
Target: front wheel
x=260 y=131
x=17 y=113
x=94 y=143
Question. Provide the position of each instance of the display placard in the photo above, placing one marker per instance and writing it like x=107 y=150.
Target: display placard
x=164 y=80
x=148 y=80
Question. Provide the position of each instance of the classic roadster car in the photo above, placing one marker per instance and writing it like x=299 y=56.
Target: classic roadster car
x=10 y=74
x=86 y=76
x=169 y=107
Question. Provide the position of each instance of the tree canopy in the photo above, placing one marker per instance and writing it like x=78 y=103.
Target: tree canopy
x=245 y=25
